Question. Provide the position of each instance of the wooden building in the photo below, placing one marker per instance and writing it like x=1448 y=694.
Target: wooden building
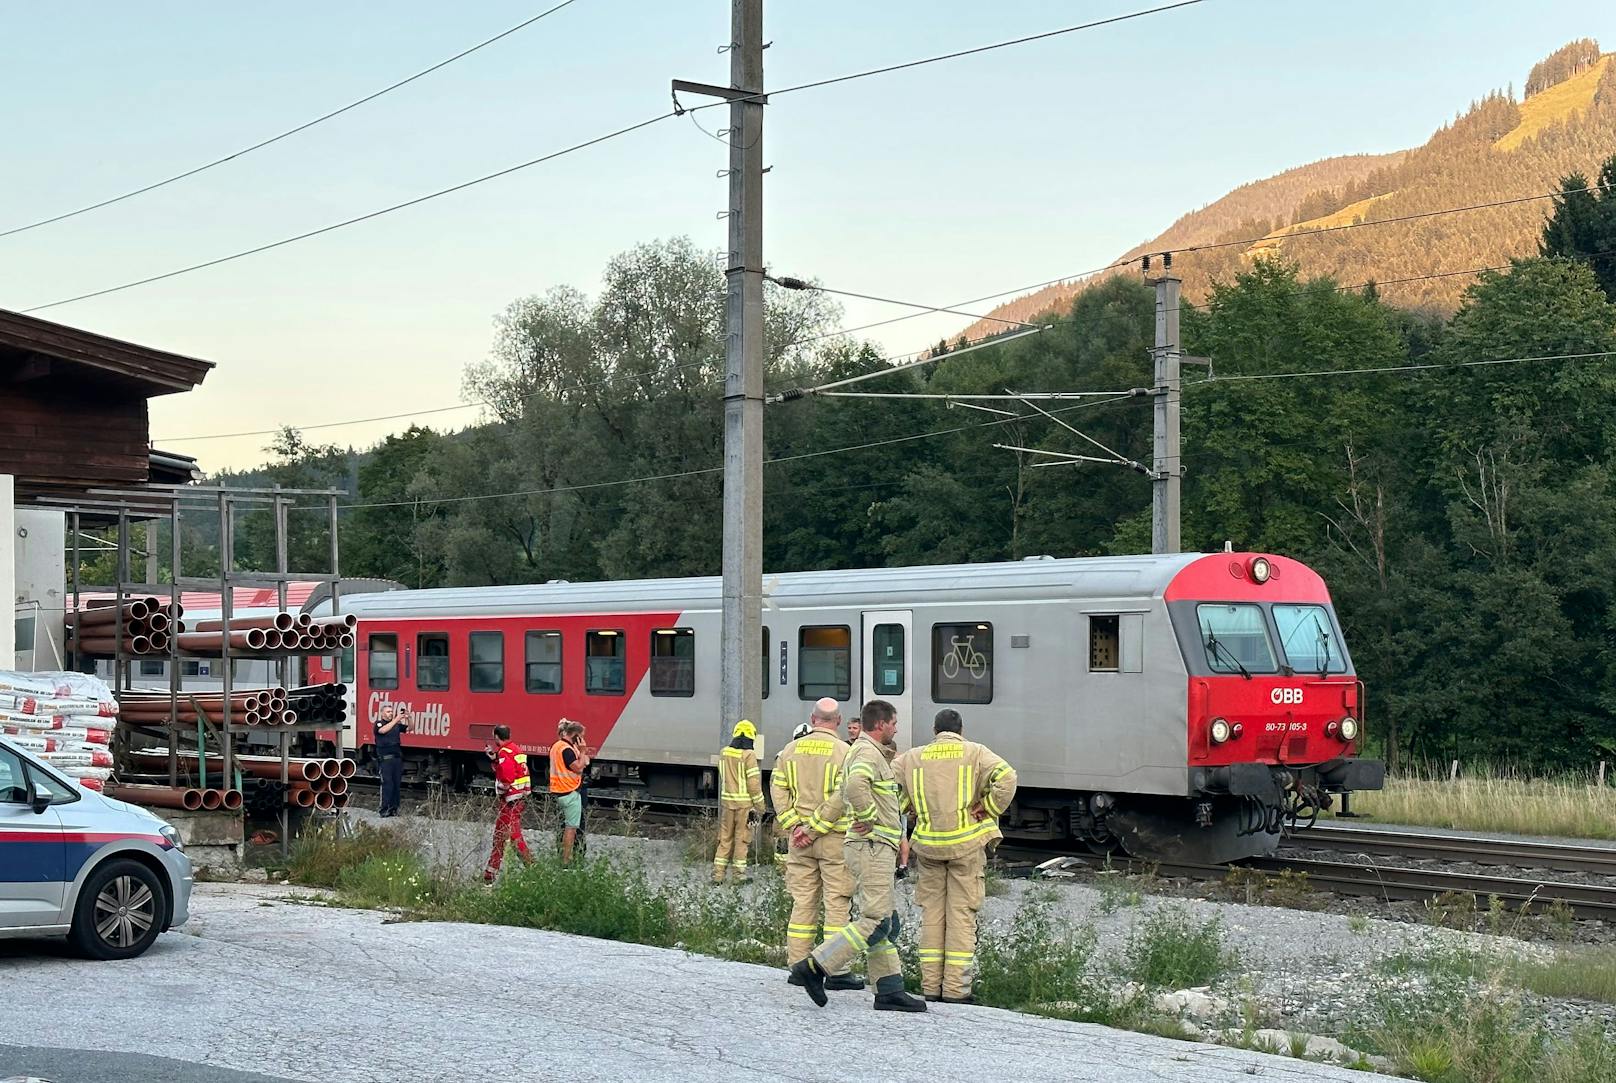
x=73 y=408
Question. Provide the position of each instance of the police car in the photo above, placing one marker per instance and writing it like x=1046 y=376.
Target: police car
x=107 y=875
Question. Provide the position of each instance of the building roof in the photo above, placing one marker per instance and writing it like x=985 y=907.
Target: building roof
x=34 y=349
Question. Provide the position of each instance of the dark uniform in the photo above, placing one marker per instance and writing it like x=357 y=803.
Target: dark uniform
x=390 y=754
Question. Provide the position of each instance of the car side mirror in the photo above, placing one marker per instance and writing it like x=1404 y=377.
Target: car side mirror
x=38 y=801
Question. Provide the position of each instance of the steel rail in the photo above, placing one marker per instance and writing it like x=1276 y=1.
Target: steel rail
x=1520 y=853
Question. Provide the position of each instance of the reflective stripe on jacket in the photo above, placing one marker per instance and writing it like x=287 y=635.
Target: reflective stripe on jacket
x=563 y=779
x=740 y=782
x=946 y=783
x=511 y=778
x=872 y=792
x=806 y=784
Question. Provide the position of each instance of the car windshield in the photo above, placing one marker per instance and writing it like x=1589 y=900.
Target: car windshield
x=1307 y=636
x=1235 y=638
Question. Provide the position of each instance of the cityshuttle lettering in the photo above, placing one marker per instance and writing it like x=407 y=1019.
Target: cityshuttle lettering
x=431 y=720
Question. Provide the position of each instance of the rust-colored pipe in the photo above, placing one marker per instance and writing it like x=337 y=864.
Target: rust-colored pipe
x=336 y=786
x=181 y=797
x=344 y=621
x=340 y=800
x=304 y=621
x=157 y=622
x=268 y=767
x=330 y=768
x=324 y=801
x=300 y=798
x=157 y=643
x=232 y=800
x=108 y=613
x=211 y=800
x=250 y=639
x=347 y=768
x=280 y=622
x=345 y=640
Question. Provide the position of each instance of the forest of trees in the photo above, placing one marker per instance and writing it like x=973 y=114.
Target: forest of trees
x=1463 y=513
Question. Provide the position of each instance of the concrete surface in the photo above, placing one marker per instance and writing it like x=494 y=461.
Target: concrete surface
x=261 y=983
x=36 y=1063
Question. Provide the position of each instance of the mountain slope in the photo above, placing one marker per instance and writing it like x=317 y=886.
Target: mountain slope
x=1499 y=149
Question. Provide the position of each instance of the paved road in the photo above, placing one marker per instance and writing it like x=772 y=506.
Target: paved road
x=92 y=1065
x=261 y=984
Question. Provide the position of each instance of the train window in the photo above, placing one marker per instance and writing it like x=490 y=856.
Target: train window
x=544 y=663
x=347 y=665
x=962 y=663
x=432 y=662
x=1103 y=644
x=766 y=681
x=383 y=668
x=886 y=643
x=825 y=662
x=1307 y=637
x=604 y=654
x=1235 y=638
x=488 y=661
x=673 y=662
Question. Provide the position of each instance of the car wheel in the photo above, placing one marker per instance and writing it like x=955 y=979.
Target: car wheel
x=119 y=912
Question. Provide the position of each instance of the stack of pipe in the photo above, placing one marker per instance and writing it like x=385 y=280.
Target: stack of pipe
x=317 y=783
x=270 y=633
x=248 y=707
x=147 y=625
x=184 y=797
x=322 y=703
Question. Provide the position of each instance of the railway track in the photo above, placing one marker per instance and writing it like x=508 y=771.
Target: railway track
x=1513 y=853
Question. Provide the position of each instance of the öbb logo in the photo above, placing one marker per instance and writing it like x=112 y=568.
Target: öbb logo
x=430 y=721
x=1286 y=695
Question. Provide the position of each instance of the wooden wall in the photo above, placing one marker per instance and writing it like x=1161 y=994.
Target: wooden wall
x=51 y=437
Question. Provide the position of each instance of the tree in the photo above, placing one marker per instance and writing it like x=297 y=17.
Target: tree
x=1582 y=226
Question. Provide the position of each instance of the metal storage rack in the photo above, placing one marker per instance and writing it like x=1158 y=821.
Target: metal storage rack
x=160 y=502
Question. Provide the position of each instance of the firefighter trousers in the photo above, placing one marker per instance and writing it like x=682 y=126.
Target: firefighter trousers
x=734 y=842
x=950 y=895
x=874 y=933
x=816 y=877
x=507 y=828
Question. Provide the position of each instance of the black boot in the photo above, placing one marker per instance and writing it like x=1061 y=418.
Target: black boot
x=813 y=980
x=898 y=1002
x=792 y=979
x=968 y=998
x=837 y=982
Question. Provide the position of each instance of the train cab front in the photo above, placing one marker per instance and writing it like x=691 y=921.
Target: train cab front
x=1274 y=709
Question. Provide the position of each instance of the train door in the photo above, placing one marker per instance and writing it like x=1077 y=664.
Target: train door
x=888 y=668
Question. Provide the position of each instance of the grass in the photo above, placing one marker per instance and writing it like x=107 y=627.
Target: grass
x=1577 y=975
x=321 y=856
x=1554 y=105
x=1041 y=964
x=1493 y=799
x=1172 y=949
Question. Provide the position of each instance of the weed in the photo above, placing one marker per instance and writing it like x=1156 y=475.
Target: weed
x=994 y=884
x=1451 y=910
x=1358 y=924
x=1040 y=964
x=1494 y=798
x=321 y=855
x=595 y=896
x=1116 y=892
x=393 y=880
x=1288 y=888
x=1560 y=919
x=700 y=839
x=1172 y=949
x=1581 y=975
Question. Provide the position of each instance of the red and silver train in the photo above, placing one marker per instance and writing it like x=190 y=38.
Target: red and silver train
x=1181 y=707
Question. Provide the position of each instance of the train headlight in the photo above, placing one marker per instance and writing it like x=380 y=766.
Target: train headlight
x=1220 y=730
x=1349 y=728
x=1261 y=570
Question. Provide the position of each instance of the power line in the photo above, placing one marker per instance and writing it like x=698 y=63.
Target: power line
x=1401 y=368
x=675 y=475
x=766 y=94
x=360 y=218
x=305 y=126
x=790 y=283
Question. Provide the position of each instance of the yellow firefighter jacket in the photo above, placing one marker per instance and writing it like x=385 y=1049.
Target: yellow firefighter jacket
x=806 y=786
x=740 y=783
x=958 y=789
x=872 y=792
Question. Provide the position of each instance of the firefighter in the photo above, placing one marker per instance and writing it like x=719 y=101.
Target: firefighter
x=512 y=784
x=740 y=798
x=873 y=799
x=805 y=788
x=958 y=789
x=568 y=758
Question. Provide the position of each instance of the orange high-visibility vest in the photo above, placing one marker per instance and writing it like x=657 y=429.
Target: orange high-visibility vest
x=563 y=779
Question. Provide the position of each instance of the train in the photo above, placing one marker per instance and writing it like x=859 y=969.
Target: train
x=1181 y=707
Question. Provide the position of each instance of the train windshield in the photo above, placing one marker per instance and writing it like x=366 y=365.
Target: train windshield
x=1307 y=637
x=1236 y=639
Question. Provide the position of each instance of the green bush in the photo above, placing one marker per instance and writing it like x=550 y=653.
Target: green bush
x=1171 y=949
x=393 y=880
x=595 y=896
x=1039 y=964
x=321 y=856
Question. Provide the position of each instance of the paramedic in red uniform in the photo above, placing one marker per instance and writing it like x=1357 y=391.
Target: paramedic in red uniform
x=512 y=784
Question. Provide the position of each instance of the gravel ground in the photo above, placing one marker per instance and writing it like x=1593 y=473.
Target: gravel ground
x=1295 y=969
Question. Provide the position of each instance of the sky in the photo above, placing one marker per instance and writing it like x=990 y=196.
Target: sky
x=934 y=184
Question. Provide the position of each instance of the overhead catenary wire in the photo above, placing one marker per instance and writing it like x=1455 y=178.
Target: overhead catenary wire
x=997 y=340
x=787 y=282
x=305 y=126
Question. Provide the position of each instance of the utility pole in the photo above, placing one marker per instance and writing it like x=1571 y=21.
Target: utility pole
x=741 y=693
x=1167 y=465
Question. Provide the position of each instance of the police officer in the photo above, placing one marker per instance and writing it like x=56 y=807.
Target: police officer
x=872 y=797
x=390 y=730
x=740 y=797
x=805 y=787
x=958 y=790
